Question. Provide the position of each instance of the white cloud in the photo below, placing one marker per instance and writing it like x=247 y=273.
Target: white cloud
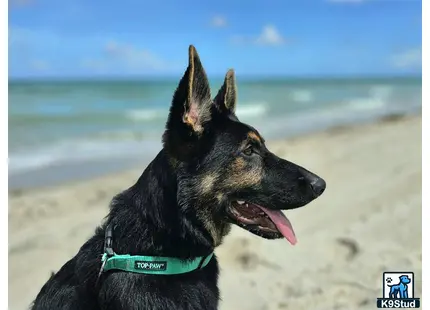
x=133 y=57
x=411 y=58
x=269 y=35
x=218 y=21
x=127 y=58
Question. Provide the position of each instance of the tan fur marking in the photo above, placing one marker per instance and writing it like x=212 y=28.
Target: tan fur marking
x=208 y=182
x=188 y=120
x=238 y=164
x=241 y=177
x=252 y=135
x=217 y=231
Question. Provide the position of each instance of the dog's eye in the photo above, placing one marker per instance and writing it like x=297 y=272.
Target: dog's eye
x=248 y=150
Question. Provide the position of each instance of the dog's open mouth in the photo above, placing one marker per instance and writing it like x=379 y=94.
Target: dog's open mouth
x=262 y=221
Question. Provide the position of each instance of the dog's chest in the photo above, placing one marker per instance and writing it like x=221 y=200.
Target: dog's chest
x=195 y=290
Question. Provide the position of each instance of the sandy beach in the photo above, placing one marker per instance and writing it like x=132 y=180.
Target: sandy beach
x=368 y=221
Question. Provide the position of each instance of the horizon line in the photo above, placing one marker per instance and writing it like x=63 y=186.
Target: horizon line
x=216 y=77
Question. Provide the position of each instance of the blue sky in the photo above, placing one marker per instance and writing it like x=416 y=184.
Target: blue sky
x=83 y=38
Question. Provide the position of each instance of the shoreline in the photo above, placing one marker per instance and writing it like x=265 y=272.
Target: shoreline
x=373 y=175
x=60 y=174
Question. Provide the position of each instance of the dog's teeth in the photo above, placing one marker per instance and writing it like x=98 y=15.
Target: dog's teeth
x=241 y=202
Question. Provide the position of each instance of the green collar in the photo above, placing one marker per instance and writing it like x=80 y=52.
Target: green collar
x=157 y=265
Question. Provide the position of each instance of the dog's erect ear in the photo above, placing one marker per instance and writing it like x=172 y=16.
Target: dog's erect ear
x=191 y=107
x=225 y=100
x=192 y=99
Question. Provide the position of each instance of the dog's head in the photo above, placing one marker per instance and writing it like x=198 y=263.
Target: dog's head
x=226 y=174
x=404 y=279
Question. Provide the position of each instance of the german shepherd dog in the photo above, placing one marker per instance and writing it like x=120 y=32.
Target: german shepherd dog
x=213 y=171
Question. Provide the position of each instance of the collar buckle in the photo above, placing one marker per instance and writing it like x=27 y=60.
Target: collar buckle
x=108 y=250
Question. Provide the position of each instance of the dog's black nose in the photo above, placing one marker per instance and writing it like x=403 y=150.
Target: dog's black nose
x=318 y=186
x=316 y=183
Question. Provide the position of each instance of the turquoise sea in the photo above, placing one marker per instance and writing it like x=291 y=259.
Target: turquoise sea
x=72 y=129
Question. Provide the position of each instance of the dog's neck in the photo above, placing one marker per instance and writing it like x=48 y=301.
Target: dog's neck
x=149 y=220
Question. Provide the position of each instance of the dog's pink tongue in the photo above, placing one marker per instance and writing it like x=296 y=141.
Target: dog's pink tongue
x=282 y=223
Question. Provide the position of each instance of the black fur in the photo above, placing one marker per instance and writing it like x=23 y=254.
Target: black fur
x=178 y=207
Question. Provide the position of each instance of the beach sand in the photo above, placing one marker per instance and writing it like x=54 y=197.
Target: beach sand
x=368 y=221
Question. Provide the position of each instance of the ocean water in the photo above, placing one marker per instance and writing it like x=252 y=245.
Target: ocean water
x=63 y=130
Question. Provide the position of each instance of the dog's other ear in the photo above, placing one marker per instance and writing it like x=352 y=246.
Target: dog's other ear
x=225 y=100
x=191 y=106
